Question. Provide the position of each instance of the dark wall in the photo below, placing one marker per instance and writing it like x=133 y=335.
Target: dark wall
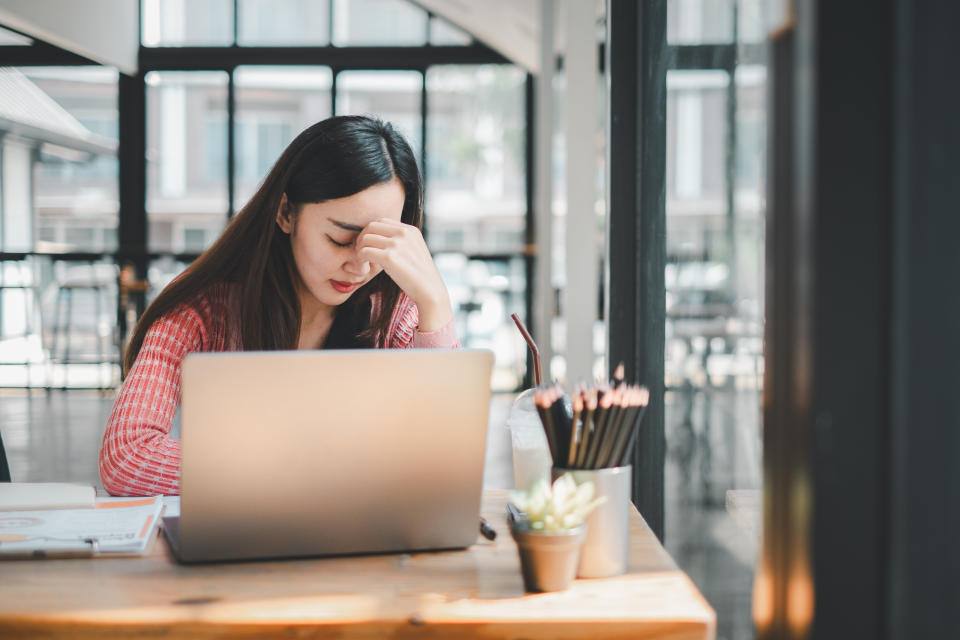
x=847 y=205
x=923 y=589
x=872 y=391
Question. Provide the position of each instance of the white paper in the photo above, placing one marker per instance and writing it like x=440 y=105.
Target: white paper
x=172 y=504
x=23 y=496
x=113 y=526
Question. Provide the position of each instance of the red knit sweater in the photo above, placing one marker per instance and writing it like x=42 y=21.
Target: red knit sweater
x=138 y=455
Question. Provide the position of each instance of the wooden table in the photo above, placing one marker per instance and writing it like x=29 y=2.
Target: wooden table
x=476 y=593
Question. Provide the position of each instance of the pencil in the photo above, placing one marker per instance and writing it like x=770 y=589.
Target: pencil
x=624 y=424
x=596 y=414
x=601 y=418
x=644 y=400
x=561 y=424
x=618 y=374
x=577 y=410
x=612 y=429
x=586 y=437
x=539 y=398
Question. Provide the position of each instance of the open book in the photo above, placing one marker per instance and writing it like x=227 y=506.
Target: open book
x=111 y=526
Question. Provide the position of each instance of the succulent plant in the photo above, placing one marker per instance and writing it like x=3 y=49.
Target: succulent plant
x=559 y=507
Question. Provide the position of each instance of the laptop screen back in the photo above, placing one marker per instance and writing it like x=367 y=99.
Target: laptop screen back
x=301 y=453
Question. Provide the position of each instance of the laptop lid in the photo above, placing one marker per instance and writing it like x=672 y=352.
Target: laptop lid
x=305 y=453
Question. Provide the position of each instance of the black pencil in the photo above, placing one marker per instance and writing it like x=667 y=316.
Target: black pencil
x=596 y=416
x=624 y=424
x=603 y=429
x=644 y=399
x=612 y=429
x=539 y=397
x=600 y=419
x=561 y=424
x=586 y=437
x=618 y=375
x=577 y=410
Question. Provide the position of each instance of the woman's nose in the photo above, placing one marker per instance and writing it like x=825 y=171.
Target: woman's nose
x=356 y=265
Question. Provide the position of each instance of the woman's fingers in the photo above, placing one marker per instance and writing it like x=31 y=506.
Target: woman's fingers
x=378 y=241
x=381 y=234
x=397 y=237
x=375 y=255
x=388 y=227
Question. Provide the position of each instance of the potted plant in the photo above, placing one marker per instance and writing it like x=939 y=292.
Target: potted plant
x=547 y=523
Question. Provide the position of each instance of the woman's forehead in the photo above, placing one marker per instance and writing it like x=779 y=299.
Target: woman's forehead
x=384 y=200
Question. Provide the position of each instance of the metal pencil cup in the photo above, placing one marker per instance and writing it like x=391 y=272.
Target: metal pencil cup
x=607 y=547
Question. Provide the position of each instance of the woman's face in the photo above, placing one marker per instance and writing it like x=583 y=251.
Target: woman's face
x=323 y=240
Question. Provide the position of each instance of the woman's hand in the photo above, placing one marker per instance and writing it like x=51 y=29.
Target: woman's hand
x=401 y=251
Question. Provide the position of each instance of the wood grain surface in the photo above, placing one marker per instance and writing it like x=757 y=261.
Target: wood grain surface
x=474 y=593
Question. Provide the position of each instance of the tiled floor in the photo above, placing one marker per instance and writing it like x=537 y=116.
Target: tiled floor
x=712 y=514
x=53 y=436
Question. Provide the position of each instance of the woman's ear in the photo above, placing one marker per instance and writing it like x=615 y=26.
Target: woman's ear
x=284 y=219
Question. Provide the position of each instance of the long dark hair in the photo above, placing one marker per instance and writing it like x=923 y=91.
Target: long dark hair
x=334 y=158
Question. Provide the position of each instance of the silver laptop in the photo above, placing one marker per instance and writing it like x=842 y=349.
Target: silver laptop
x=308 y=453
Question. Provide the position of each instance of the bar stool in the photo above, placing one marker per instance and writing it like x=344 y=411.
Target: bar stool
x=95 y=280
x=17 y=274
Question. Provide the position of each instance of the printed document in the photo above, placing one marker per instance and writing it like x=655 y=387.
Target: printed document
x=113 y=526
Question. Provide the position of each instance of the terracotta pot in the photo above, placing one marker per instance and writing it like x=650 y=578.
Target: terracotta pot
x=548 y=559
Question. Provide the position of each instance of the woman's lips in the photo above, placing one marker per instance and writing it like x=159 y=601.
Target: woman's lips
x=344 y=287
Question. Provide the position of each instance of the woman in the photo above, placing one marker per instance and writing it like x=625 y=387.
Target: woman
x=327 y=254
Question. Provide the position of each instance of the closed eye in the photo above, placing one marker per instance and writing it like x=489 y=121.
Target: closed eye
x=340 y=244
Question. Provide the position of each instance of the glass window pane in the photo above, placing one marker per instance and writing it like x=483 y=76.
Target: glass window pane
x=72 y=202
x=173 y=23
x=394 y=96
x=476 y=198
x=283 y=22
x=699 y=21
x=186 y=158
x=752 y=20
x=750 y=193
x=274 y=104
x=751 y=132
x=444 y=33
x=161 y=272
x=378 y=22
x=713 y=349
x=483 y=294
x=58 y=322
x=696 y=144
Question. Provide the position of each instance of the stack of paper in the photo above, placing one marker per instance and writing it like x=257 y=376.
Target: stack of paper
x=106 y=526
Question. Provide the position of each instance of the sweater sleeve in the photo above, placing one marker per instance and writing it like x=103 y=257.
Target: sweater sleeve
x=138 y=456
x=406 y=334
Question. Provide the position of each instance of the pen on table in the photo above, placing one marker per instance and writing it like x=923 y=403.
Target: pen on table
x=91 y=548
x=515 y=515
x=61 y=554
x=486 y=530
